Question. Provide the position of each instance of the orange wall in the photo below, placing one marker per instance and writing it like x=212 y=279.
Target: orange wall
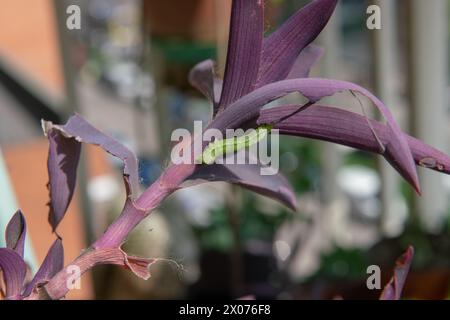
x=27 y=168
x=29 y=40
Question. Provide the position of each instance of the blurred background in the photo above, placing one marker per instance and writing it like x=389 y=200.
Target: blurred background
x=125 y=70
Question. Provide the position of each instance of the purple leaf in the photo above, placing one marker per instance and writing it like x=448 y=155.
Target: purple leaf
x=429 y=157
x=63 y=157
x=349 y=129
x=65 y=143
x=203 y=78
x=305 y=61
x=248 y=176
x=14 y=272
x=281 y=48
x=393 y=290
x=248 y=107
x=244 y=49
x=15 y=233
x=53 y=263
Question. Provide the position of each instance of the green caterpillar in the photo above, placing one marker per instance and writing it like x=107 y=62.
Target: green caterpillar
x=223 y=147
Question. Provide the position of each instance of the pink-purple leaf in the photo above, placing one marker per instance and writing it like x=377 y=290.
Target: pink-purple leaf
x=429 y=157
x=244 y=49
x=16 y=232
x=248 y=176
x=65 y=143
x=248 y=107
x=393 y=290
x=14 y=271
x=53 y=263
x=349 y=129
x=282 y=48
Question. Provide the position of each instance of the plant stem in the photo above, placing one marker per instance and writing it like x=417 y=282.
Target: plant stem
x=106 y=250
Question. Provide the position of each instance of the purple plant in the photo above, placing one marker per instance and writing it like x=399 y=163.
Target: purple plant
x=258 y=70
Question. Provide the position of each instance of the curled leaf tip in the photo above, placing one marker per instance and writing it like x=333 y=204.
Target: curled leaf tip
x=140 y=266
x=248 y=176
x=394 y=288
